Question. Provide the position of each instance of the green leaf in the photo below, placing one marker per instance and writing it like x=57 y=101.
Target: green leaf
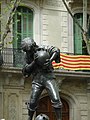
x=10 y=42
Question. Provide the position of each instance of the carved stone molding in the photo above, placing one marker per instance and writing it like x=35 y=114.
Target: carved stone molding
x=88 y=85
x=12 y=107
x=13 y=81
x=55 y=3
x=11 y=104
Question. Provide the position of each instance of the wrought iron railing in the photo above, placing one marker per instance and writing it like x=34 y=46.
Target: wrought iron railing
x=15 y=58
x=12 y=57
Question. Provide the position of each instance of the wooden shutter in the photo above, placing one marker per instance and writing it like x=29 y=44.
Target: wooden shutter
x=22 y=25
x=78 y=35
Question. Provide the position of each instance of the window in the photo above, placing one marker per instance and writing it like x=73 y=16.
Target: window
x=79 y=44
x=22 y=28
x=22 y=25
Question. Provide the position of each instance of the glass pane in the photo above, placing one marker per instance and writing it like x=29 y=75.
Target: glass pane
x=24 y=23
x=18 y=23
x=30 y=25
x=18 y=40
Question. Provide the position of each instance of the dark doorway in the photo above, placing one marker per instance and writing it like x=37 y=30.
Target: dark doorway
x=45 y=107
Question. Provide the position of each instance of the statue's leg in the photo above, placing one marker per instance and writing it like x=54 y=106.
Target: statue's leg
x=58 y=112
x=30 y=113
x=35 y=93
x=55 y=98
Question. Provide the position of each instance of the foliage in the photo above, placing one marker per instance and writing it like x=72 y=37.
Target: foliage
x=13 y=4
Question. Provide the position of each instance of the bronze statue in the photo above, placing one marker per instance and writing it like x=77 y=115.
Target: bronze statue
x=39 y=65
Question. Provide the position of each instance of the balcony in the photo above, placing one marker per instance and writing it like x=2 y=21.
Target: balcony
x=12 y=57
x=77 y=3
x=14 y=60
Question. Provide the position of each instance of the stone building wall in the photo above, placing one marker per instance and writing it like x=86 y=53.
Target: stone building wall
x=77 y=89
x=56 y=25
x=52 y=26
x=15 y=91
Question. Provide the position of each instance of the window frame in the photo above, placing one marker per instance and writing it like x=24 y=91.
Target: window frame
x=18 y=25
x=18 y=29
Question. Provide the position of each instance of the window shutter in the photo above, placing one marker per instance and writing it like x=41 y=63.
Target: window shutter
x=22 y=28
x=78 y=35
x=22 y=25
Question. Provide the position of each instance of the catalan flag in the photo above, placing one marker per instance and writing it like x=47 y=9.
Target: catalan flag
x=73 y=62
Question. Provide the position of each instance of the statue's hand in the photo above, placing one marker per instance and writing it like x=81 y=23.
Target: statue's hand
x=35 y=57
x=25 y=74
x=47 y=63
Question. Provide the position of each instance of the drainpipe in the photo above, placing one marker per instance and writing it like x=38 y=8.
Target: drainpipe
x=85 y=15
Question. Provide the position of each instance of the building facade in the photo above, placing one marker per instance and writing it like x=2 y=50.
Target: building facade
x=48 y=23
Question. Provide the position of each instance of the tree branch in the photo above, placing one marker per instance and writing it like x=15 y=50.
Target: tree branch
x=84 y=33
x=7 y=29
x=75 y=20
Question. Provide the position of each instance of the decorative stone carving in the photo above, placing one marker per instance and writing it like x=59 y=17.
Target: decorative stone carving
x=12 y=107
x=14 y=81
x=57 y=3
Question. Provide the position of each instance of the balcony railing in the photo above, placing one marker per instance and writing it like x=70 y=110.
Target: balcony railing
x=15 y=58
x=12 y=57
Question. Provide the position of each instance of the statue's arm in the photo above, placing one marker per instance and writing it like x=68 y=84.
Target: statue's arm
x=28 y=67
x=54 y=55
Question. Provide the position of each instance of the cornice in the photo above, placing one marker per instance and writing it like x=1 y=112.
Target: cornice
x=58 y=72
x=73 y=74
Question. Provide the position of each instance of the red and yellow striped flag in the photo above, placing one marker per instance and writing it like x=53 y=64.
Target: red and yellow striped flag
x=73 y=62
